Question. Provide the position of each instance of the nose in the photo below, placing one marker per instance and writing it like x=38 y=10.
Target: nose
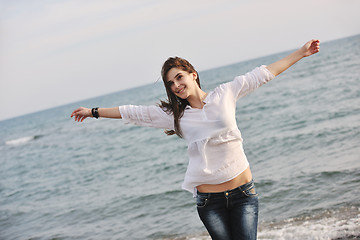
x=176 y=84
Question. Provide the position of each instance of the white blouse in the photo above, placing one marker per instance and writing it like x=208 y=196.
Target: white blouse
x=214 y=141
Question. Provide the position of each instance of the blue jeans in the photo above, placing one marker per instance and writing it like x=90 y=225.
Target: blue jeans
x=230 y=215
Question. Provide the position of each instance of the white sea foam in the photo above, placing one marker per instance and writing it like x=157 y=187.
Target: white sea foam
x=336 y=224
x=21 y=140
x=339 y=224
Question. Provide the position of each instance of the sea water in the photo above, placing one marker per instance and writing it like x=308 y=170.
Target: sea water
x=102 y=179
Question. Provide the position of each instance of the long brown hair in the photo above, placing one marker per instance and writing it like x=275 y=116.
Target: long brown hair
x=174 y=104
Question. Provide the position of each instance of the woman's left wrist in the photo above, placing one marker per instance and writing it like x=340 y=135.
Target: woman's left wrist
x=302 y=52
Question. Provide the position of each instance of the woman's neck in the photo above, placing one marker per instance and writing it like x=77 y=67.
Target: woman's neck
x=197 y=100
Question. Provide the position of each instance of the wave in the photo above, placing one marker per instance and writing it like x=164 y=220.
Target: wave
x=22 y=140
x=336 y=224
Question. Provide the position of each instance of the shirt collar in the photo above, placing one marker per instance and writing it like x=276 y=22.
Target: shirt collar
x=205 y=100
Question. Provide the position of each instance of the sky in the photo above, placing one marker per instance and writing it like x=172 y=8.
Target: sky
x=58 y=52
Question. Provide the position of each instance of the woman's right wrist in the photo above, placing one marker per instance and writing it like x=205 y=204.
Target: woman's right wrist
x=95 y=112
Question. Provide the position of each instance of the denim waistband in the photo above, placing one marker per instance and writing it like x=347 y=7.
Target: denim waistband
x=228 y=193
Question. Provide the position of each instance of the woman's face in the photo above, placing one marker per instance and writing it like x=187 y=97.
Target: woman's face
x=182 y=83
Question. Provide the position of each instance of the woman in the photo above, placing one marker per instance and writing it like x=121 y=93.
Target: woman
x=218 y=172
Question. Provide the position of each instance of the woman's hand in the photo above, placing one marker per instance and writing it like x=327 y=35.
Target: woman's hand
x=81 y=114
x=311 y=47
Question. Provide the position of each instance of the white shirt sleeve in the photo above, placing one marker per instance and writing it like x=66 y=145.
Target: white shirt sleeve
x=148 y=116
x=242 y=85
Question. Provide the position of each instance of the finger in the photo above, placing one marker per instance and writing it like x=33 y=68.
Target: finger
x=75 y=111
x=316 y=43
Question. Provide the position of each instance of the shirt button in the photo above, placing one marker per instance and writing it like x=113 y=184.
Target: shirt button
x=227 y=194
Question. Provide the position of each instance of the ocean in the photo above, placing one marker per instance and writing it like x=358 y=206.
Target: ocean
x=102 y=179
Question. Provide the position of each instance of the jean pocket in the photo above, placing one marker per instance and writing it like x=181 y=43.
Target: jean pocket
x=201 y=201
x=250 y=190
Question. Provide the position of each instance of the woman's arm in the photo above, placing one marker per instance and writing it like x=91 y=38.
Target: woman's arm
x=148 y=116
x=82 y=113
x=308 y=49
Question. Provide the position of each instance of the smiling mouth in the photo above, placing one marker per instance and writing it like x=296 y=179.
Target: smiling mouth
x=181 y=90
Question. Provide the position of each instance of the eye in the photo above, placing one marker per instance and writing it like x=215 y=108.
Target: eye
x=179 y=77
x=170 y=83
